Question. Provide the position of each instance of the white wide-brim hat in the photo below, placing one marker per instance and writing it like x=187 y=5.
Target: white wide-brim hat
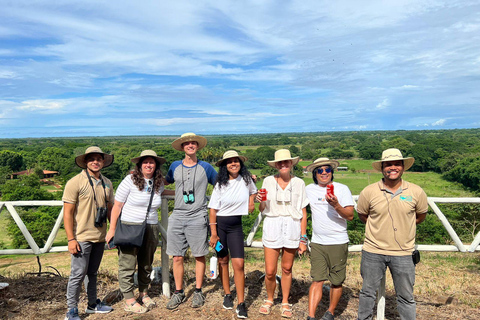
x=189 y=136
x=107 y=158
x=281 y=155
x=393 y=154
x=149 y=153
x=230 y=154
x=323 y=162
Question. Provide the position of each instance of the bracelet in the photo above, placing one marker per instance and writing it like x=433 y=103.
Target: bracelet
x=212 y=223
x=71 y=240
x=304 y=237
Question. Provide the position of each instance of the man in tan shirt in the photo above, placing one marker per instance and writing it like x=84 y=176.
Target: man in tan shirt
x=391 y=209
x=88 y=199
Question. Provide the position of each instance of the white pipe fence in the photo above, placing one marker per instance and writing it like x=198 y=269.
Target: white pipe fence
x=163 y=224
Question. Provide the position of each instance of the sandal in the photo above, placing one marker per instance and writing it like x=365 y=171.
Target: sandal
x=135 y=308
x=287 y=312
x=148 y=302
x=266 y=308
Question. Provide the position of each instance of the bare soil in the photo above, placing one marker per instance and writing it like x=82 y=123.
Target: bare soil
x=43 y=297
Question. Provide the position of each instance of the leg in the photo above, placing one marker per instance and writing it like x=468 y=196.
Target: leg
x=335 y=295
x=403 y=276
x=199 y=271
x=288 y=256
x=372 y=269
x=96 y=256
x=224 y=275
x=271 y=259
x=314 y=297
x=178 y=272
x=239 y=277
x=78 y=270
x=145 y=256
x=127 y=259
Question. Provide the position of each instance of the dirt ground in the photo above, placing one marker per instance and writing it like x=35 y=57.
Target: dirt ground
x=43 y=297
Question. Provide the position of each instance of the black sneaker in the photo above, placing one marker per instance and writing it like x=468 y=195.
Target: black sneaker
x=228 y=302
x=328 y=316
x=241 y=311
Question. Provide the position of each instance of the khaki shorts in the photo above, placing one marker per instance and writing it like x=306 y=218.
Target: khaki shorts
x=329 y=262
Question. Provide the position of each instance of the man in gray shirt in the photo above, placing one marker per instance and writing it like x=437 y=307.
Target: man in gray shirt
x=188 y=224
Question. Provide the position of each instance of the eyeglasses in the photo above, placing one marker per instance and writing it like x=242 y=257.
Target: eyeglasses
x=322 y=170
x=149 y=187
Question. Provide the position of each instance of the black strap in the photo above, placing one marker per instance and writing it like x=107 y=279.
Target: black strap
x=93 y=188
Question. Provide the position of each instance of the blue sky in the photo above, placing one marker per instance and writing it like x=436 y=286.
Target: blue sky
x=97 y=68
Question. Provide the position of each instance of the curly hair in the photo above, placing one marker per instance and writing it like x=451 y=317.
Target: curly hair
x=223 y=175
x=139 y=180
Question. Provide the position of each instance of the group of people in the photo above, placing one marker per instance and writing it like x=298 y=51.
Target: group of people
x=391 y=208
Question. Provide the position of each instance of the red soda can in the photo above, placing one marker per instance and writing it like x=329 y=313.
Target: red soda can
x=330 y=189
x=263 y=193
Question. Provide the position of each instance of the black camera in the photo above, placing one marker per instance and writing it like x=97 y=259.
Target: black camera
x=101 y=217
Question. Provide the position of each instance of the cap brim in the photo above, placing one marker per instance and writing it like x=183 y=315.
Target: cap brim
x=407 y=163
x=332 y=163
x=107 y=160
x=219 y=162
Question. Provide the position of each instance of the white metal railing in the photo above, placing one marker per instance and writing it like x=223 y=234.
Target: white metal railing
x=163 y=224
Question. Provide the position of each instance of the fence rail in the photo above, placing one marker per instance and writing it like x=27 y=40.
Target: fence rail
x=163 y=224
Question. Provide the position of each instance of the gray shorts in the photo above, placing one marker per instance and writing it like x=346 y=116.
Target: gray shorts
x=187 y=232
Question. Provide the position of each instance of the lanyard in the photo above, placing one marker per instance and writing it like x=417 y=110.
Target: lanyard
x=93 y=188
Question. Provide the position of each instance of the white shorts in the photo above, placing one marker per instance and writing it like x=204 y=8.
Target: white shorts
x=281 y=232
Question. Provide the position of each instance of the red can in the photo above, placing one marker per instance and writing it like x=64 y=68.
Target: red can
x=330 y=189
x=263 y=193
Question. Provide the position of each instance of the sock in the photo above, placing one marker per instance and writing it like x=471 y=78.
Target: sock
x=179 y=291
x=198 y=289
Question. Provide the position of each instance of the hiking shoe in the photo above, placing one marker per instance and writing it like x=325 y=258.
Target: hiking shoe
x=241 y=311
x=328 y=316
x=98 y=307
x=310 y=318
x=198 y=299
x=228 y=302
x=72 y=314
x=176 y=300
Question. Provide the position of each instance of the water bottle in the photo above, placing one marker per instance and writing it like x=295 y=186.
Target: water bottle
x=213 y=268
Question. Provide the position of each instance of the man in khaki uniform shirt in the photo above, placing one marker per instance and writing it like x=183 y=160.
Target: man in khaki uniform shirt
x=391 y=209
x=88 y=199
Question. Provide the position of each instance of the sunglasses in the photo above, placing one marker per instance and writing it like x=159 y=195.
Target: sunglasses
x=149 y=188
x=322 y=170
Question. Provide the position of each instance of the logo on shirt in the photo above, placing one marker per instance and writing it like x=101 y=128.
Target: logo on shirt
x=406 y=198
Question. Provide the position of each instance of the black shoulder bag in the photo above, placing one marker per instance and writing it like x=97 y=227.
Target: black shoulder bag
x=129 y=233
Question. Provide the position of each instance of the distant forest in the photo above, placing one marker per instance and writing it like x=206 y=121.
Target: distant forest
x=453 y=153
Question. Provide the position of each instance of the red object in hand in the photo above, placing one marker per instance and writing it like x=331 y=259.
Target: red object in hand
x=263 y=193
x=330 y=189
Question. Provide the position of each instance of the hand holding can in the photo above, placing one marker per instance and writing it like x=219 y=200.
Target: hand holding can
x=330 y=190
x=263 y=193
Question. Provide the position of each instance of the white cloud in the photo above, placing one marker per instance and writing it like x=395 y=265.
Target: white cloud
x=440 y=122
x=384 y=104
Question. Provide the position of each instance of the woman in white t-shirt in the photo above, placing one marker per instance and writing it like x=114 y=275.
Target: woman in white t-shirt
x=284 y=227
x=131 y=200
x=232 y=197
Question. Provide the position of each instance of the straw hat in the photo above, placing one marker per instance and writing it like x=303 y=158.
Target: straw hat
x=189 y=136
x=80 y=160
x=230 y=154
x=322 y=162
x=393 y=154
x=149 y=153
x=281 y=155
